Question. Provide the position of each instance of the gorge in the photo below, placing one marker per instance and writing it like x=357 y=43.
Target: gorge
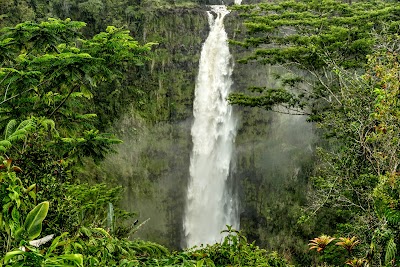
x=156 y=116
x=270 y=156
x=119 y=147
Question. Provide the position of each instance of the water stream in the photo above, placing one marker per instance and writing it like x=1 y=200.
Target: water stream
x=210 y=204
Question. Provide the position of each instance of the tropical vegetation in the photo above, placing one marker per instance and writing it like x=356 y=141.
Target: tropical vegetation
x=342 y=71
x=63 y=83
x=50 y=76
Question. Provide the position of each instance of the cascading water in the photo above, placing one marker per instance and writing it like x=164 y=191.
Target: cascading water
x=210 y=204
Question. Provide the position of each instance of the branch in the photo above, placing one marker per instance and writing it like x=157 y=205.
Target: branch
x=291 y=111
x=5 y=94
x=301 y=67
x=325 y=200
x=8 y=99
x=64 y=100
x=5 y=77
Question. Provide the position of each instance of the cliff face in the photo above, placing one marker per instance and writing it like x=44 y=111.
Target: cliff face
x=152 y=164
x=272 y=152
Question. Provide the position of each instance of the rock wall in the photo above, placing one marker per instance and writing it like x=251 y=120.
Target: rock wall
x=273 y=157
x=273 y=151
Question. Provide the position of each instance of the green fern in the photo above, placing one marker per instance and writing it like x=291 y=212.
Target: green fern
x=15 y=132
x=4 y=145
x=10 y=128
x=391 y=250
x=26 y=124
x=47 y=124
x=23 y=129
x=392 y=216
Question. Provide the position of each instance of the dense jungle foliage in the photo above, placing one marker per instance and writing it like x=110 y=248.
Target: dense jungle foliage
x=342 y=70
x=64 y=82
x=49 y=75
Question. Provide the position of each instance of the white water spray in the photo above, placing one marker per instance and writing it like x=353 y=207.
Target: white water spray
x=210 y=204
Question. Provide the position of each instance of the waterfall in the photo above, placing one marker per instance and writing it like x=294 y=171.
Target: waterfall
x=210 y=203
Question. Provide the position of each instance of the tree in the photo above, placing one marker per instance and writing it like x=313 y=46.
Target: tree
x=303 y=37
x=49 y=74
x=50 y=70
x=342 y=71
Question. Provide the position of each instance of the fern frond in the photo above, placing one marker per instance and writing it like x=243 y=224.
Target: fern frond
x=5 y=143
x=27 y=125
x=391 y=250
x=47 y=124
x=17 y=135
x=10 y=128
x=20 y=132
x=392 y=216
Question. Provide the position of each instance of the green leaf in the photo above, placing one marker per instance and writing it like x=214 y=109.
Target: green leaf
x=76 y=258
x=55 y=243
x=86 y=92
x=15 y=215
x=12 y=254
x=33 y=222
x=30 y=188
x=200 y=263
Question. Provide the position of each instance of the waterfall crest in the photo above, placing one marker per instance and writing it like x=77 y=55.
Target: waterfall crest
x=210 y=204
